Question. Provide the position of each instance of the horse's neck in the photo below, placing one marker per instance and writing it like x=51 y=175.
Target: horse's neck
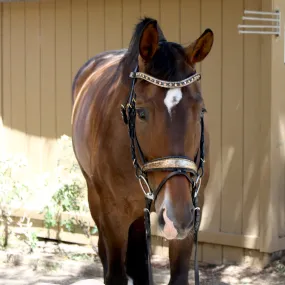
x=117 y=132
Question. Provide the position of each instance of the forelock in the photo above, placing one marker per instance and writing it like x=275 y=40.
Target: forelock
x=168 y=63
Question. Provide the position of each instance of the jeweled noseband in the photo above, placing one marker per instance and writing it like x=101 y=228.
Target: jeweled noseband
x=176 y=165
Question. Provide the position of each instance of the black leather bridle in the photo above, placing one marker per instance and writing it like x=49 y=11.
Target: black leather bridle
x=176 y=165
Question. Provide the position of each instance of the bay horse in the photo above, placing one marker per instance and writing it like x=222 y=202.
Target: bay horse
x=140 y=136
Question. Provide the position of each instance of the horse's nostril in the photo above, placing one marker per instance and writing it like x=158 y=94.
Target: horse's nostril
x=167 y=225
x=167 y=222
x=188 y=223
x=161 y=219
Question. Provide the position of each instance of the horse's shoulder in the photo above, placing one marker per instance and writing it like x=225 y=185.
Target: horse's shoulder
x=91 y=65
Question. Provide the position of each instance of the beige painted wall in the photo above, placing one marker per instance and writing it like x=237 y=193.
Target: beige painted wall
x=44 y=43
x=276 y=198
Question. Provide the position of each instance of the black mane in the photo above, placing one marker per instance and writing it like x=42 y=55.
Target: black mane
x=168 y=61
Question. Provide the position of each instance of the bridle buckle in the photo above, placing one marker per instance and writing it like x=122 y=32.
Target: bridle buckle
x=149 y=193
x=197 y=185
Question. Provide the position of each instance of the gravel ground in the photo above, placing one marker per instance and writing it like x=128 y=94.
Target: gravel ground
x=64 y=264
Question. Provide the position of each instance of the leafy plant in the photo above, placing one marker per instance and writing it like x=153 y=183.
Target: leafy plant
x=13 y=191
x=31 y=238
x=68 y=196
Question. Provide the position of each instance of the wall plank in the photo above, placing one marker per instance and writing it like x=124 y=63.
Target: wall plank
x=32 y=41
x=79 y=35
x=277 y=134
x=6 y=50
x=232 y=255
x=33 y=104
x=48 y=88
x=251 y=171
x=211 y=85
x=267 y=222
x=232 y=118
x=169 y=19
x=212 y=253
x=48 y=96
x=131 y=15
x=2 y=134
x=150 y=8
x=190 y=23
x=113 y=25
x=96 y=27
x=63 y=66
x=18 y=78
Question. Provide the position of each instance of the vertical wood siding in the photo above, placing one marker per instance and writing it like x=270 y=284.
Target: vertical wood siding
x=278 y=129
x=44 y=43
x=211 y=70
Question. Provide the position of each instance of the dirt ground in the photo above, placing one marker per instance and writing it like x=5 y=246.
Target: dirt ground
x=64 y=264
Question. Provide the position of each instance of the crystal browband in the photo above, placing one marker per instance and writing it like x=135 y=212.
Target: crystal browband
x=170 y=163
x=166 y=84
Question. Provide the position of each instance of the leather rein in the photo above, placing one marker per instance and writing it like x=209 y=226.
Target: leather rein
x=176 y=165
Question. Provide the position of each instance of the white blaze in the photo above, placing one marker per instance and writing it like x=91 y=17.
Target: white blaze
x=130 y=281
x=172 y=98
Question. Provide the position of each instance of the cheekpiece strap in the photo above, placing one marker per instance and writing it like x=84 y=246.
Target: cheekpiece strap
x=166 y=84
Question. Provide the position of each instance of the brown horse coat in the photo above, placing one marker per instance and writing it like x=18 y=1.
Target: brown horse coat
x=102 y=147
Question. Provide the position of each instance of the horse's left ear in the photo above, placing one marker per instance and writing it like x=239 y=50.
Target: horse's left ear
x=200 y=48
x=149 y=41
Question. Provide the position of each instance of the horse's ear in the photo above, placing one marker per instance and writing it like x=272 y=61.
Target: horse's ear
x=149 y=41
x=200 y=48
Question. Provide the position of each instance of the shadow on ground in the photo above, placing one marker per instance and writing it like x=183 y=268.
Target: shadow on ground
x=60 y=265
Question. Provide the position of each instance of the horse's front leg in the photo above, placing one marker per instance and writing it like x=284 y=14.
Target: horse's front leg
x=137 y=267
x=179 y=258
x=115 y=232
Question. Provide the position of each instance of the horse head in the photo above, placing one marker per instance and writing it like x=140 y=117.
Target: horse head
x=167 y=107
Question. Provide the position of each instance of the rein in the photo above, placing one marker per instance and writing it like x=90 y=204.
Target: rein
x=176 y=165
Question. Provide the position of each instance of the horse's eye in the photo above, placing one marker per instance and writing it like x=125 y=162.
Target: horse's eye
x=141 y=113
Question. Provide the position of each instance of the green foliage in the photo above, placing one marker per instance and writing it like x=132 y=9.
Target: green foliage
x=68 y=196
x=13 y=191
x=31 y=238
x=49 y=217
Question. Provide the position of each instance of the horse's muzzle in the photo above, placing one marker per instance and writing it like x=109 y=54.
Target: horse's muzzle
x=171 y=227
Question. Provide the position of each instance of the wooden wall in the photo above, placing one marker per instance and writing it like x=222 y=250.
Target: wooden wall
x=276 y=197
x=45 y=42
